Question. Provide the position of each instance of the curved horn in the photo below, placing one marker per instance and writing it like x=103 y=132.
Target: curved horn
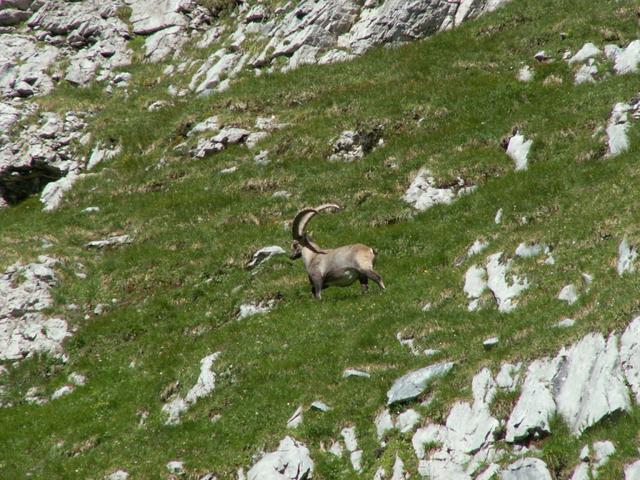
x=326 y=206
x=300 y=222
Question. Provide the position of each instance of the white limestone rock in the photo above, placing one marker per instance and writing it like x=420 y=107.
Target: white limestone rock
x=583 y=384
x=581 y=472
x=296 y=419
x=25 y=293
x=269 y=124
x=352 y=372
x=204 y=386
x=383 y=423
x=531 y=250
x=601 y=453
x=101 y=154
x=505 y=290
x=351 y=442
x=62 y=391
x=149 y=16
x=475 y=284
x=114 y=241
x=508 y=377
x=627 y=61
x=336 y=449
x=536 y=405
x=398 y=470
x=632 y=471
x=498 y=218
x=208 y=124
x=407 y=420
x=250 y=309
x=118 y=475
x=525 y=74
x=221 y=65
x=630 y=356
x=176 y=467
x=526 y=469
x=414 y=383
x=8 y=116
x=627 y=255
x=617 y=130
x=586 y=74
x=569 y=294
x=408 y=342
x=263 y=255
x=320 y=406
x=165 y=42
x=565 y=323
x=477 y=247
x=77 y=379
x=424 y=193
x=518 y=149
x=54 y=192
x=231 y=135
x=589 y=50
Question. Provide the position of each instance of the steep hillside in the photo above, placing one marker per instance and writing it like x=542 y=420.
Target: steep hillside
x=150 y=149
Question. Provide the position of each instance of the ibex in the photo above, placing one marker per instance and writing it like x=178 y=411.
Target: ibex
x=335 y=266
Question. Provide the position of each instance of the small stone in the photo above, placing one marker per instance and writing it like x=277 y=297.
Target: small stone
x=175 y=467
x=248 y=310
x=77 y=379
x=526 y=469
x=565 y=323
x=383 y=423
x=477 y=247
x=525 y=74
x=61 y=392
x=569 y=294
x=509 y=376
x=336 y=449
x=416 y=382
x=601 y=453
x=352 y=372
x=505 y=290
x=296 y=419
x=281 y=194
x=627 y=61
x=407 y=420
x=110 y=242
x=627 y=255
x=209 y=124
x=498 y=218
x=117 y=475
x=589 y=50
x=542 y=56
x=157 y=105
x=490 y=342
x=632 y=471
x=263 y=255
x=320 y=406
x=518 y=149
x=530 y=250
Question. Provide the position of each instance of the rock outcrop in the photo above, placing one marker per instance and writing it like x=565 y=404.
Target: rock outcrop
x=25 y=294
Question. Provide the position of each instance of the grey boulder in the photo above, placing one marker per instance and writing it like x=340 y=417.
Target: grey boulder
x=412 y=384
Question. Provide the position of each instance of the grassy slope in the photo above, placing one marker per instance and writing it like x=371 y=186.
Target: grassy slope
x=194 y=229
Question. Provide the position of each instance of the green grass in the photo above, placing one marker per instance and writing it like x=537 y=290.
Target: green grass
x=445 y=103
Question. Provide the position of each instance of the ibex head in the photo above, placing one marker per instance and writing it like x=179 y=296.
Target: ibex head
x=301 y=238
x=336 y=266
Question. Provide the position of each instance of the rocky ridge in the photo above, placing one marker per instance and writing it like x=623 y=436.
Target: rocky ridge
x=51 y=41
